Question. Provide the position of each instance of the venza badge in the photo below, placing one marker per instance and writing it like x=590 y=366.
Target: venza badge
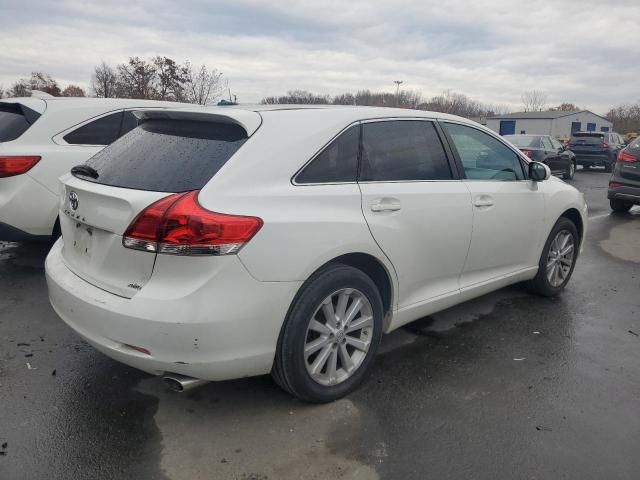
x=73 y=200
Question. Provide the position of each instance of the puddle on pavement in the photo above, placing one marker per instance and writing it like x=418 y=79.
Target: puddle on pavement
x=250 y=429
x=624 y=240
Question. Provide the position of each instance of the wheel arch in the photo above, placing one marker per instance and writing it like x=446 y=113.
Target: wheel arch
x=374 y=269
x=574 y=215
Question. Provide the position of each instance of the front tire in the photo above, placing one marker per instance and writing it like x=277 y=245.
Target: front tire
x=570 y=172
x=330 y=336
x=619 y=206
x=558 y=259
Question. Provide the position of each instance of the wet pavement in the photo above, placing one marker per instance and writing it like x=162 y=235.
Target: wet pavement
x=506 y=386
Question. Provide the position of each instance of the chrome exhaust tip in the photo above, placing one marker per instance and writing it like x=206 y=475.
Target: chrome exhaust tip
x=182 y=383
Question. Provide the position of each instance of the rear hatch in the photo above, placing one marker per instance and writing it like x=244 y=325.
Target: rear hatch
x=588 y=144
x=100 y=200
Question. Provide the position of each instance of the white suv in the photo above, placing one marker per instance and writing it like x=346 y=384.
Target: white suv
x=42 y=139
x=227 y=242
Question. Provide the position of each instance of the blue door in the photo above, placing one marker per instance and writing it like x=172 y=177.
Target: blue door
x=604 y=129
x=591 y=127
x=507 y=127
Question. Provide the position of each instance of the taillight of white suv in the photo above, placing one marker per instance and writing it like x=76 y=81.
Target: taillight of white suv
x=179 y=225
x=13 y=165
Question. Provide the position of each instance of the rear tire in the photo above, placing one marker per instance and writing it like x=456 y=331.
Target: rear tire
x=555 y=267
x=336 y=366
x=619 y=206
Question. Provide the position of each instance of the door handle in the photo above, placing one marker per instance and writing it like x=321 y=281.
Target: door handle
x=386 y=205
x=483 y=201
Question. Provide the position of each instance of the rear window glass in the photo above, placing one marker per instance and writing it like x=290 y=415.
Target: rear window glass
x=167 y=155
x=15 y=119
x=587 y=138
x=524 y=140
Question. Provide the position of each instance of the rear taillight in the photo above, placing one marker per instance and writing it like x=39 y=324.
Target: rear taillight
x=179 y=225
x=626 y=157
x=11 y=166
x=528 y=153
x=614 y=185
x=605 y=145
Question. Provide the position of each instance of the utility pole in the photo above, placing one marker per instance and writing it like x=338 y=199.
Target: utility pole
x=398 y=83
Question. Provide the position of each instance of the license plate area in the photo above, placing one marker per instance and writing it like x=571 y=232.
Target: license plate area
x=83 y=238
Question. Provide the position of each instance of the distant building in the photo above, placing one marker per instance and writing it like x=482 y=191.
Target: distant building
x=556 y=123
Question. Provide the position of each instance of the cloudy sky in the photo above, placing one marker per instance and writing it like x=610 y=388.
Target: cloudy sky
x=580 y=51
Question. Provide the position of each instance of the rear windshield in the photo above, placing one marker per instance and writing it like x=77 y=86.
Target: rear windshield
x=524 y=140
x=15 y=119
x=167 y=155
x=587 y=138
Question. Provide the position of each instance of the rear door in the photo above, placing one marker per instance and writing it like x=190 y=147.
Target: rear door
x=158 y=158
x=416 y=209
x=508 y=209
x=552 y=156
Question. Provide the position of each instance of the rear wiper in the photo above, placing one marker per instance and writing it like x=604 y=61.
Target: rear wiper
x=85 y=170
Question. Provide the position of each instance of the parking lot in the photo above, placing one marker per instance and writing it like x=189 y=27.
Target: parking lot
x=506 y=386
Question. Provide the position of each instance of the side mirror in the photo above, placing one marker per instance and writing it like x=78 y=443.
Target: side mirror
x=539 y=172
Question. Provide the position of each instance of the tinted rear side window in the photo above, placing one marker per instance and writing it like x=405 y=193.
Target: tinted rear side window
x=15 y=120
x=337 y=163
x=402 y=150
x=102 y=131
x=167 y=155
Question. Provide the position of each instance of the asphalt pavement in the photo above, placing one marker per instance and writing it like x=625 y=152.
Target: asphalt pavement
x=509 y=385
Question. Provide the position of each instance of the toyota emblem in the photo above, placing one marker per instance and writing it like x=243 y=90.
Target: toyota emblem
x=73 y=200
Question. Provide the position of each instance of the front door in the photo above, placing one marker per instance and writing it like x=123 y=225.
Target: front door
x=508 y=209
x=417 y=212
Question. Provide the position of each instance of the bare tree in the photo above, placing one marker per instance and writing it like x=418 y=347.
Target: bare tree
x=171 y=79
x=534 y=101
x=625 y=118
x=1 y=91
x=43 y=82
x=136 y=79
x=20 y=89
x=298 y=97
x=73 y=91
x=203 y=86
x=104 y=81
x=566 y=107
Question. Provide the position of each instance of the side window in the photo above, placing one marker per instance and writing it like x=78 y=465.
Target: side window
x=402 y=150
x=484 y=157
x=338 y=162
x=546 y=143
x=129 y=122
x=556 y=144
x=102 y=131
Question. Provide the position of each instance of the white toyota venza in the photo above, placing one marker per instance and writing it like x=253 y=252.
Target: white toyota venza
x=224 y=242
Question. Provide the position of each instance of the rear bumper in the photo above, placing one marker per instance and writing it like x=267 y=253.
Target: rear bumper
x=226 y=328
x=592 y=159
x=625 y=192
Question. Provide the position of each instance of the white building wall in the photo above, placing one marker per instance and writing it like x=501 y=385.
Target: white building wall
x=561 y=127
x=534 y=126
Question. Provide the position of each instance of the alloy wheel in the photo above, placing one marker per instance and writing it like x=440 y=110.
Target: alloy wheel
x=560 y=258
x=338 y=337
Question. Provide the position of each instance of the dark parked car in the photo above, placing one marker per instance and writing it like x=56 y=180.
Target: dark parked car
x=624 y=186
x=596 y=148
x=547 y=150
